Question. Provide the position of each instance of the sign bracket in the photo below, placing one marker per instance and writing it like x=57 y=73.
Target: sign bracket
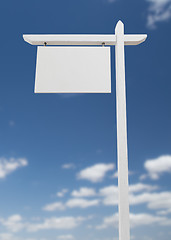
x=82 y=39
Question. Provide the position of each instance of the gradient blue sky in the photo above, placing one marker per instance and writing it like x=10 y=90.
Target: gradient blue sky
x=52 y=146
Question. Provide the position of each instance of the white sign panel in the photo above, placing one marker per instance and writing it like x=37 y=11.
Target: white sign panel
x=73 y=70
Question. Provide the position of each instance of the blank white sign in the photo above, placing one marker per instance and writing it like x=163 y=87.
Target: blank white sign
x=73 y=70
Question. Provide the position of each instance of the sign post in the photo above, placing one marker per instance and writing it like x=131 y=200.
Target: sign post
x=119 y=40
x=122 y=155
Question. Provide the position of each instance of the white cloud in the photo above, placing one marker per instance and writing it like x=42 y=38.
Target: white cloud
x=68 y=166
x=8 y=166
x=54 y=206
x=158 y=11
x=156 y=167
x=164 y=212
x=160 y=201
x=95 y=173
x=84 y=192
x=13 y=223
x=141 y=187
x=65 y=237
x=155 y=201
x=110 y=193
x=6 y=236
x=10 y=236
x=110 y=221
x=71 y=203
x=34 y=239
x=62 y=193
x=136 y=220
x=138 y=194
x=145 y=219
x=82 y=203
x=56 y=223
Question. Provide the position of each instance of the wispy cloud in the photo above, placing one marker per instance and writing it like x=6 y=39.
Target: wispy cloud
x=84 y=192
x=95 y=173
x=82 y=203
x=68 y=166
x=112 y=1
x=65 y=237
x=11 y=123
x=62 y=193
x=156 y=167
x=158 y=11
x=71 y=203
x=54 y=206
x=8 y=166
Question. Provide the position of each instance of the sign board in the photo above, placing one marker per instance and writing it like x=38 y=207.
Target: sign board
x=73 y=70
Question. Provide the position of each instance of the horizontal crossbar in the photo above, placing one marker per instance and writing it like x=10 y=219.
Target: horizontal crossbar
x=83 y=40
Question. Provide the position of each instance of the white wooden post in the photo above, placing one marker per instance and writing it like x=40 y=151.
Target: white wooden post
x=122 y=155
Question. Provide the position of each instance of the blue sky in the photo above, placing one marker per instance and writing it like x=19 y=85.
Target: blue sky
x=58 y=177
